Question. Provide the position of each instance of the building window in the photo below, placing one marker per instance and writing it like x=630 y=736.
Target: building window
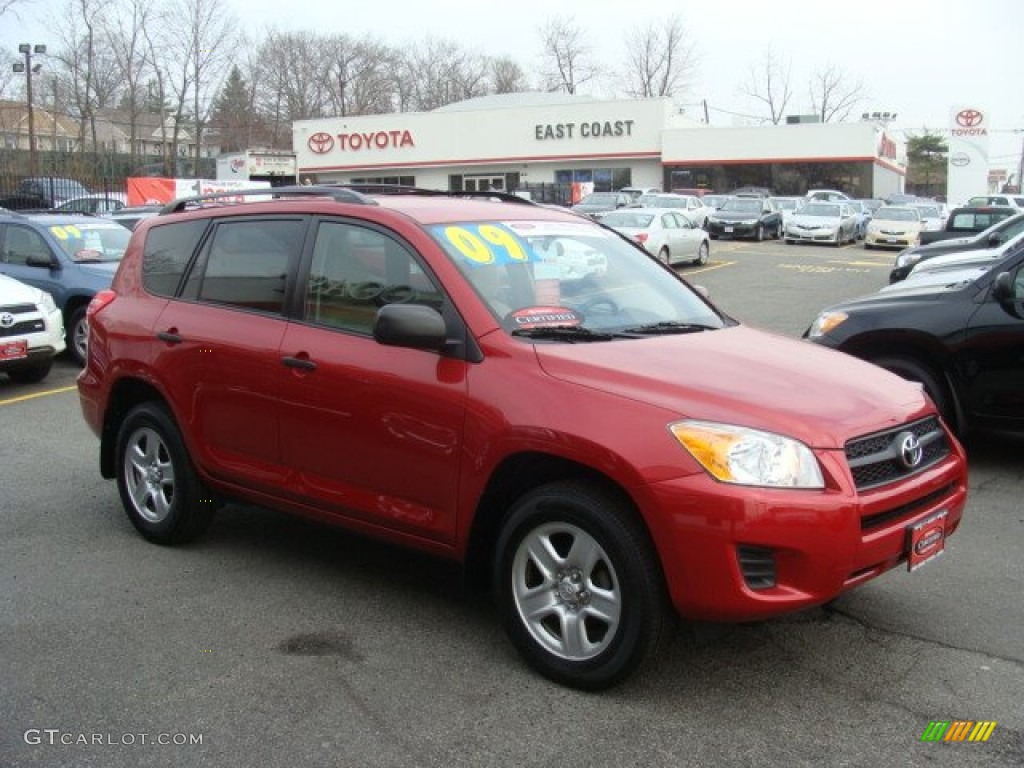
x=403 y=181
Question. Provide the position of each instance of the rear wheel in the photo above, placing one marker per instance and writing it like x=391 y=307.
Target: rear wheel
x=664 y=257
x=159 y=487
x=78 y=336
x=702 y=253
x=579 y=586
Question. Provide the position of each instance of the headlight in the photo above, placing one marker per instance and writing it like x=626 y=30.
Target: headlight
x=47 y=304
x=825 y=322
x=746 y=456
x=907 y=259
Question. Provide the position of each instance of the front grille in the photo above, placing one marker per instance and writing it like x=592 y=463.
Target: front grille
x=26 y=326
x=885 y=457
x=757 y=564
x=871 y=522
x=19 y=309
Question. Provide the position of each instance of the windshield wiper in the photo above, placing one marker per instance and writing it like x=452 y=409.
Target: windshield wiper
x=668 y=327
x=564 y=333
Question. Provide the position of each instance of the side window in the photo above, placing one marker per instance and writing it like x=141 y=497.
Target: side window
x=166 y=254
x=355 y=271
x=249 y=262
x=668 y=221
x=22 y=242
x=682 y=222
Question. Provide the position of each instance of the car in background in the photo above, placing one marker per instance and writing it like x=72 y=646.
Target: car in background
x=893 y=226
x=898 y=198
x=755 y=217
x=1014 y=201
x=960 y=335
x=822 y=222
x=932 y=219
x=787 y=207
x=665 y=233
x=751 y=192
x=995 y=235
x=871 y=203
x=715 y=201
x=691 y=206
x=962 y=259
x=596 y=204
x=70 y=256
x=826 y=195
x=635 y=192
x=100 y=203
x=41 y=192
x=31 y=331
x=863 y=215
x=131 y=215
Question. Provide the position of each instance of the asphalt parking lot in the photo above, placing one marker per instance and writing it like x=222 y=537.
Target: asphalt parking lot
x=277 y=642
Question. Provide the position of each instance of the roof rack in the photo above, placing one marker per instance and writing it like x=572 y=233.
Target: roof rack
x=399 y=189
x=337 y=193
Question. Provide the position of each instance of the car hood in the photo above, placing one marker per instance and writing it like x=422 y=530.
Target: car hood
x=592 y=207
x=99 y=269
x=894 y=226
x=16 y=292
x=803 y=220
x=950 y=245
x=935 y=283
x=956 y=261
x=735 y=215
x=744 y=376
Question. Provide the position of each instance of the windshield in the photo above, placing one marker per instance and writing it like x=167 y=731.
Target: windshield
x=742 y=205
x=628 y=220
x=571 y=281
x=86 y=241
x=897 y=214
x=599 y=198
x=784 y=204
x=820 y=209
x=929 y=212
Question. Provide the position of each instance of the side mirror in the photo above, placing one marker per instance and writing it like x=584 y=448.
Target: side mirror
x=1002 y=288
x=38 y=260
x=995 y=239
x=410 y=325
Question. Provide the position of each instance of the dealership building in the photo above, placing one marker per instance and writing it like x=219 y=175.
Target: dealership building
x=551 y=144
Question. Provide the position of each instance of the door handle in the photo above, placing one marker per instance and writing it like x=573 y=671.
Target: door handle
x=169 y=336
x=302 y=363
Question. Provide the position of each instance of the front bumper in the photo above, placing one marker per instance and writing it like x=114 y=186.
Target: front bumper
x=732 y=228
x=891 y=240
x=820 y=543
x=800 y=235
x=44 y=340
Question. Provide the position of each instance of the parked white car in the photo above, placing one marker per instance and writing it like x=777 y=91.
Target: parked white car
x=31 y=331
x=932 y=219
x=665 y=233
x=788 y=206
x=894 y=226
x=820 y=222
x=826 y=195
x=691 y=206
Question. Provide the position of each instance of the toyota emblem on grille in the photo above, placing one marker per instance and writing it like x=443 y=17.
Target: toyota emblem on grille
x=6 y=320
x=909 y=447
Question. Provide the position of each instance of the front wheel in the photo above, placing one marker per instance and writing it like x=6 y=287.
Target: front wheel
x=702 y=253
x=579 y=587
x=664 y=257
x=78 y=336
x=932 y=381
x=759 y=235
x=159 y=488
x=31 y=374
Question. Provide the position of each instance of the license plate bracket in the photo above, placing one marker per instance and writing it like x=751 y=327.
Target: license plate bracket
x=13 y=350
x=926 y=539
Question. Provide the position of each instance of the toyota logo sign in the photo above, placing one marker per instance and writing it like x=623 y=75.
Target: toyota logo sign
x=960 y=159
x=969 y=118
x=320 y=143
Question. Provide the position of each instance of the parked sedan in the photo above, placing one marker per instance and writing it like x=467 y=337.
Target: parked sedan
x=894 y=226
x=746 y=217
x=597 y=204
x=691 y=206
x=932 y=219
x=664 y=233
x=99 y=203
x=31 y=331
x=821 y=222
x=863 y=215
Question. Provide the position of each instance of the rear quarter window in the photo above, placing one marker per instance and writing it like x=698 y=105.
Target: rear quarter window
x=166 y=254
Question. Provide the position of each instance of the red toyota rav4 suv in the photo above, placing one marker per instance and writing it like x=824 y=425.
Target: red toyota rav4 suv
x=516 y=388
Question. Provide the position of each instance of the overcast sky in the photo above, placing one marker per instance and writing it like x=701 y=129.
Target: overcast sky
x=917 y=59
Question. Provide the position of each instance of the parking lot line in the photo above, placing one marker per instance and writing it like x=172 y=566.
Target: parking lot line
x=34 y=395
x=709 y=267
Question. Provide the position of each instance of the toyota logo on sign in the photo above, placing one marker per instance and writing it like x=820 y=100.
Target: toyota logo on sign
x=320 y=143
x=969 y=118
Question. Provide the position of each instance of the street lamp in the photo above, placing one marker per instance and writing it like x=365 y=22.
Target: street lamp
x=27 y=49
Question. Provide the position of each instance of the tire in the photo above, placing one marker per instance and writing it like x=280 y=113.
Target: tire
x=778 y=232
x=159 y=487
x=563 y=545
x=702 y=253
x=759 y=235
x=789 y=242
x=713 y=236
x=932 y=381
x=868 y=247
x=664 y=256
x=839 y=238
x=78 y=336
x=31 y=375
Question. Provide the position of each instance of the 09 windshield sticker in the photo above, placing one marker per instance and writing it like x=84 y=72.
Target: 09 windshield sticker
x=66 y=232
x=479 y=244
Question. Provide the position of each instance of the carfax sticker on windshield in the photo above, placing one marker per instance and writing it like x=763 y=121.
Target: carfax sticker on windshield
x=545 y=317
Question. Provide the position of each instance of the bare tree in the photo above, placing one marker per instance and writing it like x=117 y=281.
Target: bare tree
x=211 y=28
x=443 y=72
x=357 y=80
x=567 y=59
x=660 y=59
x=768 y=82
x=128 y=45
x=507 y=76
x=289 y=75
x=9 y=6
x=833 y=95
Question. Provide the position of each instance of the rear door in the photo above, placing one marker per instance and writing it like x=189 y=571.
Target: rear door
x=217 y=343
x=369 y=431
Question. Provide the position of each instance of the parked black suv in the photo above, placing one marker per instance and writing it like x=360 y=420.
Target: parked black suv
x=960 y=333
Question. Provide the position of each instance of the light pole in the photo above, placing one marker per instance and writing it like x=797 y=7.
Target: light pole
x=27 y=49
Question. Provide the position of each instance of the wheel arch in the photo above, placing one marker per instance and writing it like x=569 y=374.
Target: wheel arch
x=512 y=478
x=124 y=395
